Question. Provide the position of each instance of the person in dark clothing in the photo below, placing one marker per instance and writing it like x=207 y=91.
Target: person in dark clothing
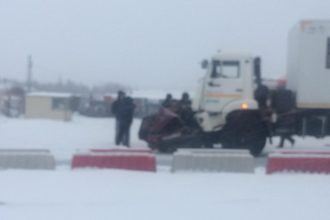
x=123 y=110
x=282 y=103
x=167 y=103
x=186 y=113
x=185 y=101
x=261 y=95
x=286 y=137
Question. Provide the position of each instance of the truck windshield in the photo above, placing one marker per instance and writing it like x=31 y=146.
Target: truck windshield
x=225 y=69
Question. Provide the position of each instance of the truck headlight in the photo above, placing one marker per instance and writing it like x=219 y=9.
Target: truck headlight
x=244 y=106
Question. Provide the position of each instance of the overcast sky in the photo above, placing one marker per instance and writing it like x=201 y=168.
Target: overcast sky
x=143 y=43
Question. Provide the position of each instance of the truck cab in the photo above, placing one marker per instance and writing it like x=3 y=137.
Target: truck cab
x=228 y=86
x=225 y=110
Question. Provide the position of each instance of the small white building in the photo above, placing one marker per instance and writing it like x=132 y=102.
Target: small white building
x=48 y=105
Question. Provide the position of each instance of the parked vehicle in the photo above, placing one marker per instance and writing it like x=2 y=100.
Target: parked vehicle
x=233 y=107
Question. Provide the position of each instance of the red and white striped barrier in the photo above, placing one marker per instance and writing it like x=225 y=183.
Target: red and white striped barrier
x=121 y=150
x=312 y=161
x=115 y=159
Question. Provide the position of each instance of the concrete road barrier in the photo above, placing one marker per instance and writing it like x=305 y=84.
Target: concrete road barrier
x=26 y=159
x=115 y=160
x=22 y=150
x=302 y=151
x=306 y=161
x=213 y=160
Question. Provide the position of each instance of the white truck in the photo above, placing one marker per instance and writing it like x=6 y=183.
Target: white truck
x=232 y=106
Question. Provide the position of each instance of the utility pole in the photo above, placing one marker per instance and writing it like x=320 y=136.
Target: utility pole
x=29 y=73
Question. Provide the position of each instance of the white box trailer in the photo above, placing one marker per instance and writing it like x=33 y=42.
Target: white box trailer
x=308 y=64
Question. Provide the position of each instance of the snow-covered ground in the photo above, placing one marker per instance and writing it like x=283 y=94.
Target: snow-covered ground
x=62 y=138
x=112 y=194
x=103 y=195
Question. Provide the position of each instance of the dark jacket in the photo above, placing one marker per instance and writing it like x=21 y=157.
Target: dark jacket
x=282 y=101
x=123 y=109
x=261 y=95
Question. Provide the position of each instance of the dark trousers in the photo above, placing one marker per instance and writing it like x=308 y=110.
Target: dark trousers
x=286 y=124
x=286 y=137
x=122 y=133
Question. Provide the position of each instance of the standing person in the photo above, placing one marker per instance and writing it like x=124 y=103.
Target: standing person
x=115 y=110
x=128 y=113
x=185 y=101
x=186 y=112
x=168 y=101
x=282 y=103
x=261 y=95
x=123 y=109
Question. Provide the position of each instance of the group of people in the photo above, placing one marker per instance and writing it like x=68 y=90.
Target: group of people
x=170 y=102
x=123 y=111
x=181 y=107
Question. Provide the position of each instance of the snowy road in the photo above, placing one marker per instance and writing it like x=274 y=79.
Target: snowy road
x=90 y=194
x=123 y=195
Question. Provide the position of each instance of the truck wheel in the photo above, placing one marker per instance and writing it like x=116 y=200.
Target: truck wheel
x=252 y=141
x=245 y=131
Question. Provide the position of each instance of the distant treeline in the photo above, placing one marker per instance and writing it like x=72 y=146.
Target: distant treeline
x=67 y=86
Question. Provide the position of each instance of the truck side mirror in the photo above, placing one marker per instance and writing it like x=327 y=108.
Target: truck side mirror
x=257 y=70
x=204 y=64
